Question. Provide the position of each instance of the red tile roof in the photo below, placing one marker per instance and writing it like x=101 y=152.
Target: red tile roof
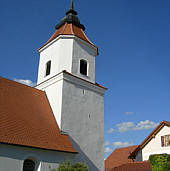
x=119 y=157
x=69 y=29
x=26 y=118
x=149 y=138
x=136 y=166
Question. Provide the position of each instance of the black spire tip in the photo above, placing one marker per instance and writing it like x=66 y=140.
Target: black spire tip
x=71 y=10
x=72 y=5
x=71 y=17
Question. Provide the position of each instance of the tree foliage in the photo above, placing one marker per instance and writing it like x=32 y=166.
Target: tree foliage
x=68 y=166
x=160 y=162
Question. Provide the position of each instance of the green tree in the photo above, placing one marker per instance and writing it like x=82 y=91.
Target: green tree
x=68 y=166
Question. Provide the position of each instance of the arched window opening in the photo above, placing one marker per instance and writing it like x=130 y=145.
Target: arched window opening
x=48 y=68
x=29 y=165
x=83 y=67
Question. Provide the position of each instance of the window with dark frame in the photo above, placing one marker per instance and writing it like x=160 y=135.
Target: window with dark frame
x=83 y=67
x=165 y=140
x=29 y=165
x=48 y=68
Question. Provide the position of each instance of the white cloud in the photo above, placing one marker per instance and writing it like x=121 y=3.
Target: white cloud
x=146 y=125
x=26 y=82
x=111 y=130
x=106 y=143
x=107 y=150
x=129 y=113
x=122 y=144
x=125 y=126
x=130 y=126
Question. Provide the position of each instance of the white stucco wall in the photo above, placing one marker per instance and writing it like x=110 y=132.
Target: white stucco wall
x=83 y=119
x=12 y=158
x=65 y=53
x=154 y=146
x=60 y=54
x=54 y=92
x=83 y=50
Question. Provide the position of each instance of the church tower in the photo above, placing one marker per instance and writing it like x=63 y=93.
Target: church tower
x=67 y=75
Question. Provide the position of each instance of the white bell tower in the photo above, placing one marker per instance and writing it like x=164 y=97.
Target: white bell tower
x=67 y=75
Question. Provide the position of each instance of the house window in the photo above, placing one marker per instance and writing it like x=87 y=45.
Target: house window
x=29 y=165
x=83 y=67
x=165 y=140
x=48 y=68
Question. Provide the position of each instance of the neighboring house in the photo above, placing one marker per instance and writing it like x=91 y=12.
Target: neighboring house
x=62 y=117
x=136 y=157
x=158 y=142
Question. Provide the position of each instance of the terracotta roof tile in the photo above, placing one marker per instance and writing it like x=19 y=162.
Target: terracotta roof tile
x=69 y=29
x=136 y=166
x=119 y=157
x=26 y=118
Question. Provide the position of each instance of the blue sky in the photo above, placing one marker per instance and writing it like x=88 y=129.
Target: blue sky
x=134 y=56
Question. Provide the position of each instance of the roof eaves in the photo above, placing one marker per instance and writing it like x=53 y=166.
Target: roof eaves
x=51 y=149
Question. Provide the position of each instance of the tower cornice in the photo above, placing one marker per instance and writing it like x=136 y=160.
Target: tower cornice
x=74 y=79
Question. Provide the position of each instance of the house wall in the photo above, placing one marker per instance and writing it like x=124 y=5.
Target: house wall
x=154 y=146
x=12 y=158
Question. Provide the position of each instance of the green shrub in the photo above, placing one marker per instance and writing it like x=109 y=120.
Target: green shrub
x=160 y=162
x=68 y=166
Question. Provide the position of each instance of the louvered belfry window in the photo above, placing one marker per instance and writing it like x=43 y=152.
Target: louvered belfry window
x=29 y=165
x=83 y=67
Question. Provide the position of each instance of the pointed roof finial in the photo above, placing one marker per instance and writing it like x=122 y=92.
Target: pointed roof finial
x=71 y=17
x=71 y=10
x=72 y=5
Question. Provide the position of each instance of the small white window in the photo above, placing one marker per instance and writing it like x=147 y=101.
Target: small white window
x=48 y=68
x=83 y=67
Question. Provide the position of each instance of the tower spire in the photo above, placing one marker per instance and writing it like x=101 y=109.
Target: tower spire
x=72 y=4
x=71 y=10
x=71 y=17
